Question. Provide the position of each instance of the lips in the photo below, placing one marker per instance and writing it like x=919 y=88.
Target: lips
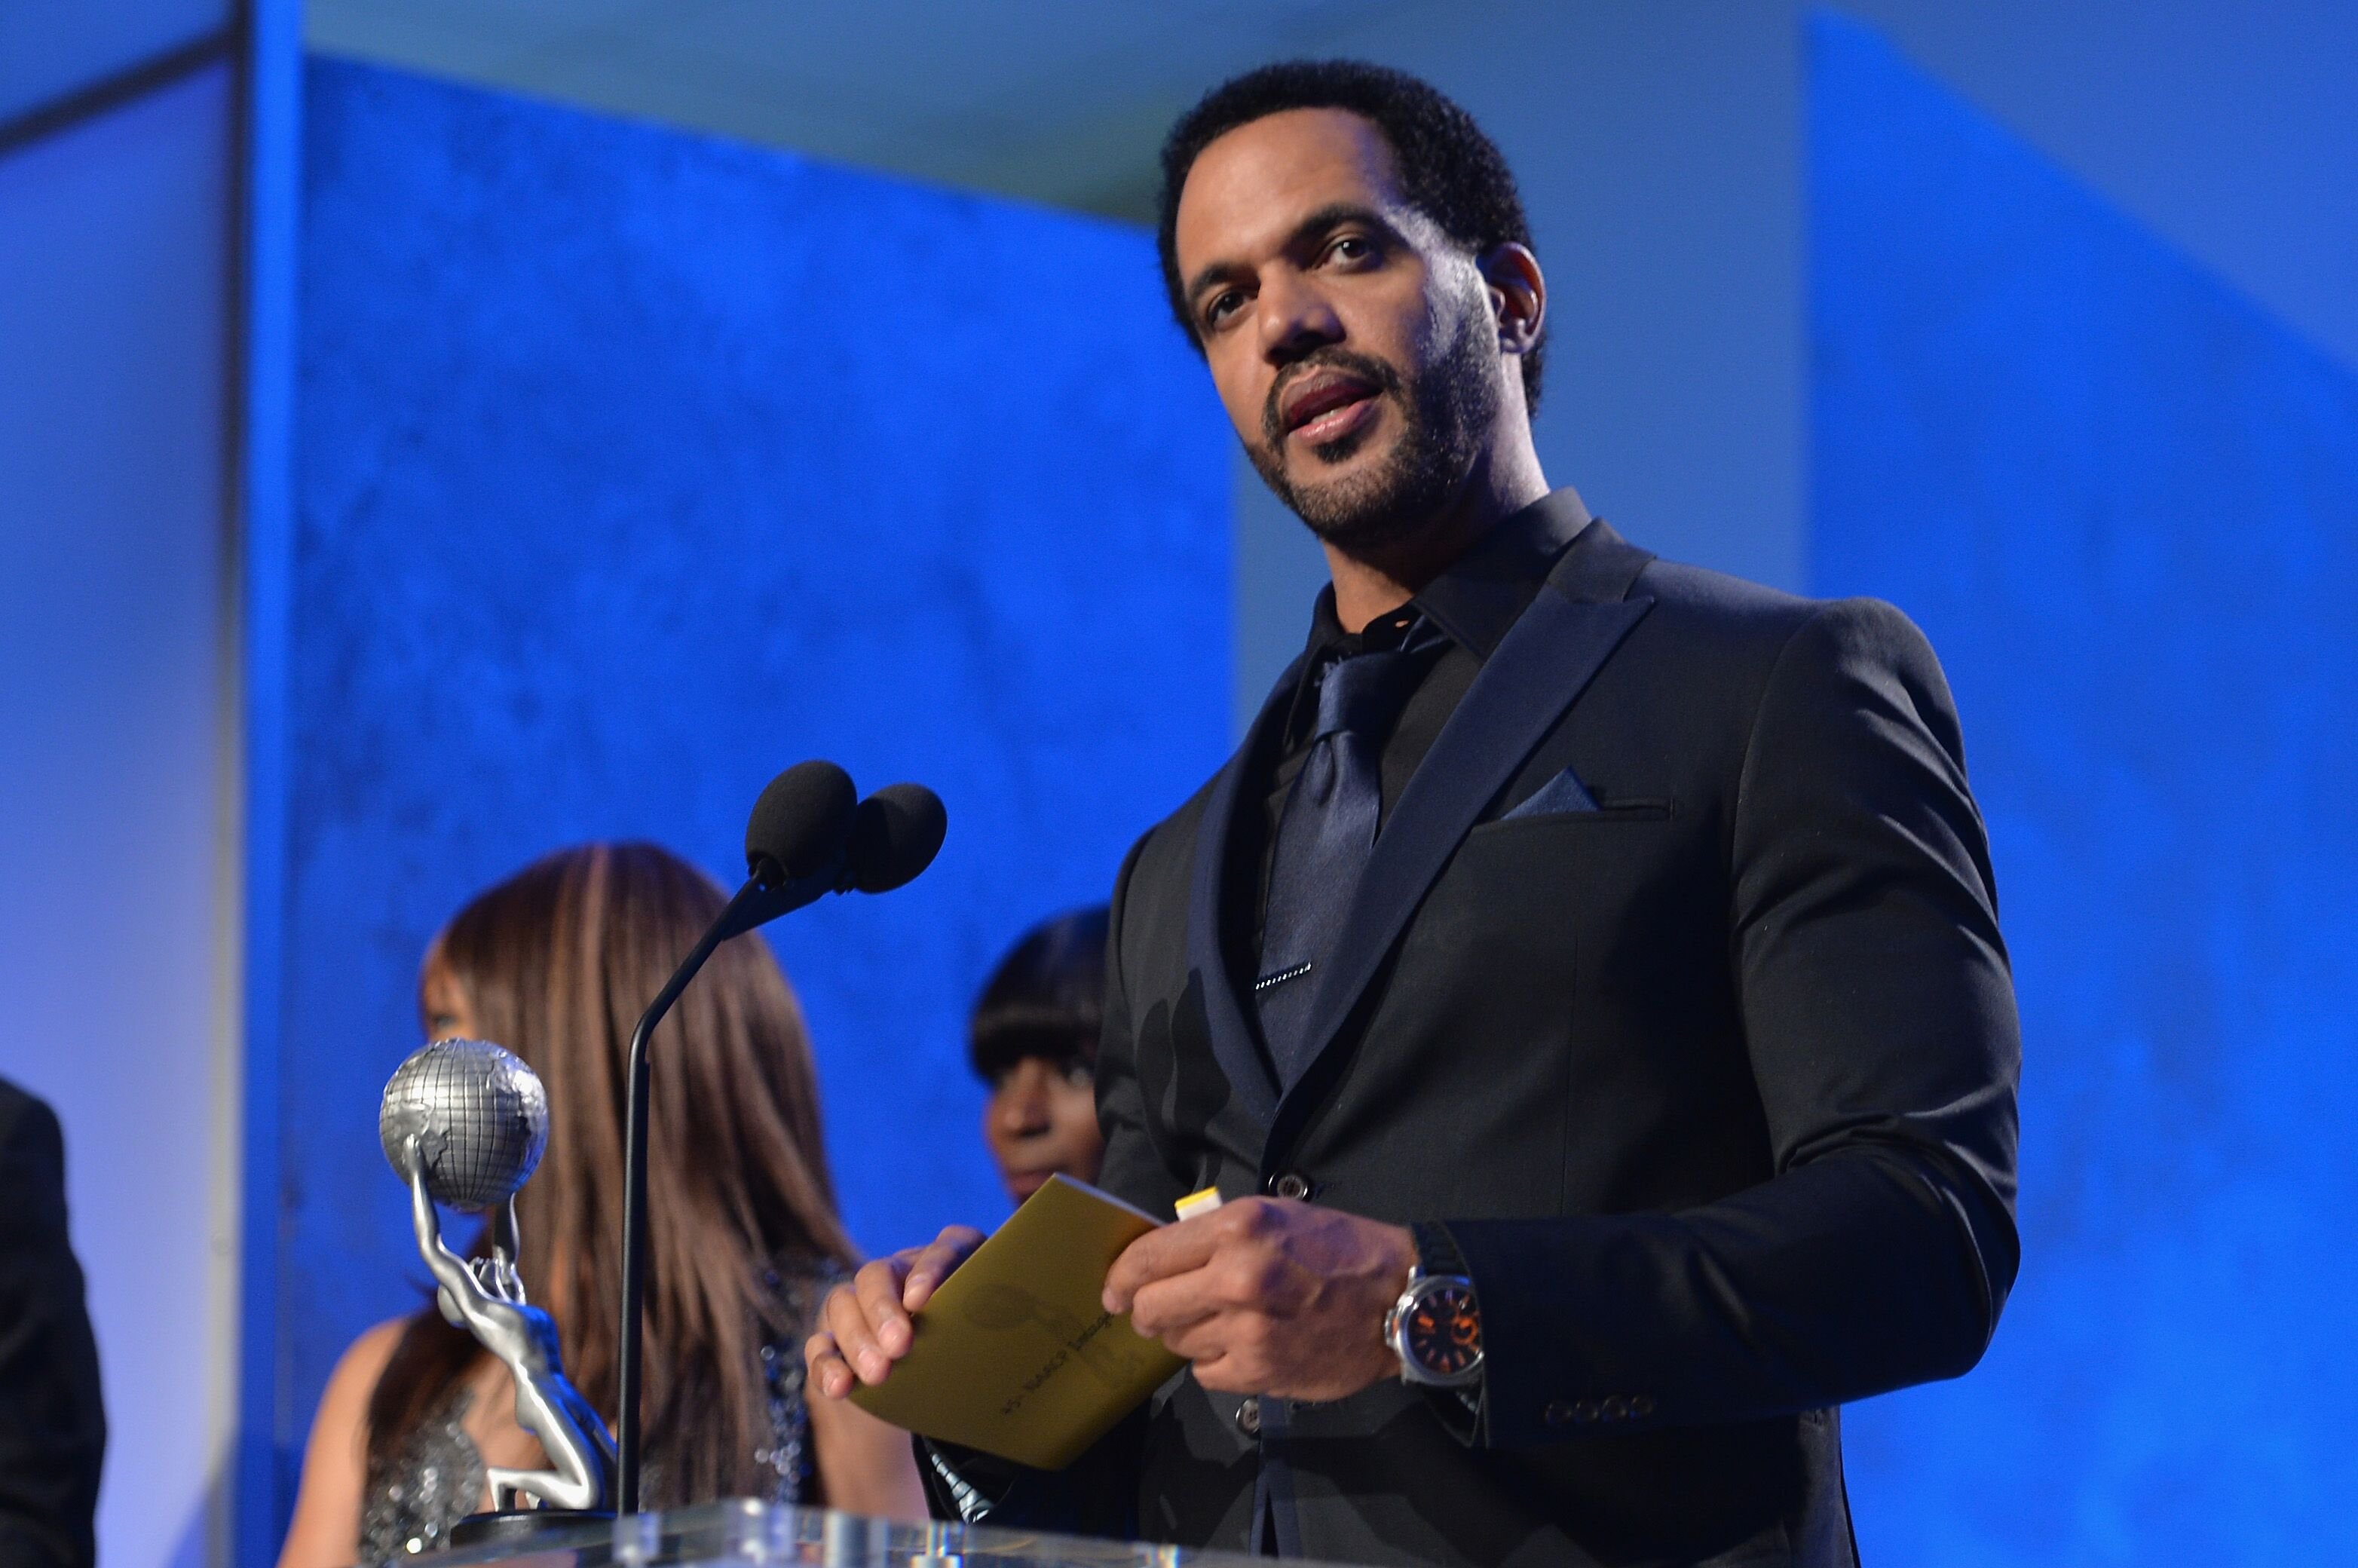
x=1320 y=393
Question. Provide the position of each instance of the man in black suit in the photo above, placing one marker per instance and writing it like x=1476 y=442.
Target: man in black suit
x=1583 y=984
x=52 y=1430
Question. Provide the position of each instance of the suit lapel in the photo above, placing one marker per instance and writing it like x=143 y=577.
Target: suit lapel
x=1537 y=670
x=1234 y=1043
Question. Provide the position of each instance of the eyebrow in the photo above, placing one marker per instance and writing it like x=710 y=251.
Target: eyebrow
x=1333 y=215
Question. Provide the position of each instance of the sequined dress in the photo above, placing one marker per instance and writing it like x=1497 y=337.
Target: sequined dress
x=436 y=1478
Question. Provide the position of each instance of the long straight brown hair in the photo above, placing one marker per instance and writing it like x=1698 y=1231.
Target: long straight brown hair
x=556 y=964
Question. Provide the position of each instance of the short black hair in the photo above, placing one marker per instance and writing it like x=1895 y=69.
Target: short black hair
x=1046 y=999
x=1449 y=169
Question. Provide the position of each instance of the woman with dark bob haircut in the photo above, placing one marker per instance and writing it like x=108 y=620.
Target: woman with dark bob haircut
x=554 y=964
x=1033 y=1040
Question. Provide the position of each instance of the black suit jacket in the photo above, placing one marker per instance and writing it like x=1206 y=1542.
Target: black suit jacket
x=52 y=1430
x=1712 y=1084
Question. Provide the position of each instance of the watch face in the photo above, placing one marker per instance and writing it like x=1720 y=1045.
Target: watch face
x=1443 y=1332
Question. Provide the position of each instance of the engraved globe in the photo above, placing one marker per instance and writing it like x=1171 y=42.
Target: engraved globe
x=480 y=1115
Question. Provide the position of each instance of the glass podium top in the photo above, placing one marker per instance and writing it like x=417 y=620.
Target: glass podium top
x=747 y=1532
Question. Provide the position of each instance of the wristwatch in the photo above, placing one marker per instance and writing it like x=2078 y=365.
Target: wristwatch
x=1435 y=1327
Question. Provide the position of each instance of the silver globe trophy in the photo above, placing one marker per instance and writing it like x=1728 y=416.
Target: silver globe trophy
x=464 y=1124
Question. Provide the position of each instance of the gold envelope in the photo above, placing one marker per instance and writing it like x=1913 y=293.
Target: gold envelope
x=1014 y=1355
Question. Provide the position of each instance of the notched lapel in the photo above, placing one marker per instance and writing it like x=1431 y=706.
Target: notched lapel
x=1539 y=670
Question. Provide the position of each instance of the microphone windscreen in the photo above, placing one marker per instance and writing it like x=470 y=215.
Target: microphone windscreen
x=897 y=834
x=803 y=818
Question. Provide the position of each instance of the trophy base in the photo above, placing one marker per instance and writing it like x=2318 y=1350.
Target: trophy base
x=521 y=1528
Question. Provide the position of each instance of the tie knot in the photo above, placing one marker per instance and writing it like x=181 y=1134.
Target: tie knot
x=1363 y=695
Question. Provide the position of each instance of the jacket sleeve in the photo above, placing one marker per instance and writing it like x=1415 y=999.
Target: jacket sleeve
x=52 y=1428
x=1879 y=1020
x=1097 y=1493
x=1133 y=1169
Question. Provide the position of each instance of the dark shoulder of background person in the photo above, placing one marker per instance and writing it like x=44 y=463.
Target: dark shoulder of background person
x=52 y=1426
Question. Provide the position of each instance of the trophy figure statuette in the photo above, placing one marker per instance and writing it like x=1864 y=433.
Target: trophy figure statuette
x=463 y=1122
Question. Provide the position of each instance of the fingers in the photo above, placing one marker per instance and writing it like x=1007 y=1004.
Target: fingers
x=826 y=1369
x=1182 y=1283
x=929 y=1266
x=1165 y=1309
x=1174 y=1250
x=878 y=1329
x=1268 y=1297
x=1243 y=1282
x=1222 y=1374
x=864 y=1326
x=850 y=1315
x=1232 y=1350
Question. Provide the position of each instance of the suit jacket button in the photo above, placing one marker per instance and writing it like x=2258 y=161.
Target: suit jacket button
x=1613 y=1408
x=1584 y=1411
x=1291 y=1184
x=1248 y=1418
x=1642 y=1404
x=1558 y=1413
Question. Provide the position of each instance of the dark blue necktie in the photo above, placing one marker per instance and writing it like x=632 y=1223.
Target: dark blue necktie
x=1323 y=840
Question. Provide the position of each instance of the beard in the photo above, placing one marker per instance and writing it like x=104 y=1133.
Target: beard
x=1445 y=416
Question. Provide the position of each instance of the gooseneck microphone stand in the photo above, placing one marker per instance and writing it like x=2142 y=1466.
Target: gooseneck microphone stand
x=763 y=898
x=808 y=817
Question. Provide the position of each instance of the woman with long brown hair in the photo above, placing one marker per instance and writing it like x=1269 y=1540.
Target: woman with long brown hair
x=554 y=964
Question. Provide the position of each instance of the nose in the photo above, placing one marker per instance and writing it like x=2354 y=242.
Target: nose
x=1023 y=1106
x=1294 y=317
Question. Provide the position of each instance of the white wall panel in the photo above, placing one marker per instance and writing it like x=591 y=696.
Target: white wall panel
x=113 y=424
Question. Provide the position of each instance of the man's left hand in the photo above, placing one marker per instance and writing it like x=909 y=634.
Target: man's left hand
x=1269 y=1296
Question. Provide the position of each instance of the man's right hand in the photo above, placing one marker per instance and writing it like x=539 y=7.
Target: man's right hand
x=864 y=1328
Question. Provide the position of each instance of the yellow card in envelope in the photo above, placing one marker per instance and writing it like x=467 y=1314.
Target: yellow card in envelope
x=1014 y=1355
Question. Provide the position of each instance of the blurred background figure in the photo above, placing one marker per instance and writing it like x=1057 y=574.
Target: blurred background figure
x=554 y=964
x=1034 y=1040
x=53 y=1425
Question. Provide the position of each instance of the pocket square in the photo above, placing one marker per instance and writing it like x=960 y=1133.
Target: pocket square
x=1561 y=793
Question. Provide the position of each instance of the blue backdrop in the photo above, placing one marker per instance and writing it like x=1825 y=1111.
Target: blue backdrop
x=634 y=466
x=2120 y=498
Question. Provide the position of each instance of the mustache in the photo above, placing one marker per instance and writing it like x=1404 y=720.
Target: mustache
x=1374 y=371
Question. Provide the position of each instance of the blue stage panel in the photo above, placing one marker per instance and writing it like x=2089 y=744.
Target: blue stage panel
x=635 y=465
x=2121 y=500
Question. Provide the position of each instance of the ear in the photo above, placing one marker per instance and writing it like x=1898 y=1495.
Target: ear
x=1518 y=292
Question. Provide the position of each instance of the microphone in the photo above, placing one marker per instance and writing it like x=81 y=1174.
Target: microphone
x=796 y=844
x=895 y=835
x=803 y=816
x=809 y=833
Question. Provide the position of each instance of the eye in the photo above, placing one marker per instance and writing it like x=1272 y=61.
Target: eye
x=1351 y=248
x=1080 y=1075
x=444 y=1025
x=1221 y=305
